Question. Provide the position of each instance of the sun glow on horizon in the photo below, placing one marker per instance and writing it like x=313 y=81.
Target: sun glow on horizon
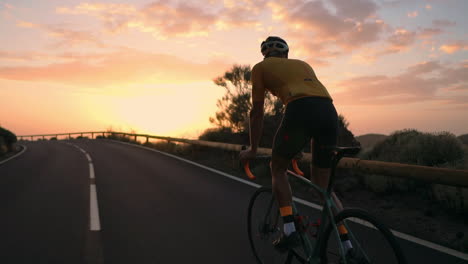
x=148 y=66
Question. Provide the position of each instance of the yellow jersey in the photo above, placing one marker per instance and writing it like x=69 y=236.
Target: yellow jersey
x=288 y=79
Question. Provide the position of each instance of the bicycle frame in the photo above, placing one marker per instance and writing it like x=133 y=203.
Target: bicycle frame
x=312 y=248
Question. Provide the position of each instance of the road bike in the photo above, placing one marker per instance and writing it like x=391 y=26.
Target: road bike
x=372 y=242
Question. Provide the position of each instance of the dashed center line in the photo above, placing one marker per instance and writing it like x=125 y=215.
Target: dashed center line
x=93 y=248
x=94 y=222
x=91 y=171
x=95 y=225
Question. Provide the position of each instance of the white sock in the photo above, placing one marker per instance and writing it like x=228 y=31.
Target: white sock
x=347 y=245
x=289 y=228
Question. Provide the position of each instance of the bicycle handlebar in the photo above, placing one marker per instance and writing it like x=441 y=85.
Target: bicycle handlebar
x=251 y=176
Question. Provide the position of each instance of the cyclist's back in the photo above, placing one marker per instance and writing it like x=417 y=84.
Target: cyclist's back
x=288 y=79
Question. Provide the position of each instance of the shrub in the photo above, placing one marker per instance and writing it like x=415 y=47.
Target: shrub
x=8 y=137
x=53 y=138
x=426 y=149
x=225 y=135
x=414 y=147
x=464 y=139
x=3 y=148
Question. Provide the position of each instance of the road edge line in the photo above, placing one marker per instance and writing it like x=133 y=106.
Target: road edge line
x=15 y=156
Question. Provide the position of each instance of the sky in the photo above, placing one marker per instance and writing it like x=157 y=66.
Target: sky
x=148 y=66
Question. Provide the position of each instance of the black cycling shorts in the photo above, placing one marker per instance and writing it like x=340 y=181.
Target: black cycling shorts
x=305 y=119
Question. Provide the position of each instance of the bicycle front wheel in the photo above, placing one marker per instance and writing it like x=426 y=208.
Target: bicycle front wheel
x=371 y=241
x=264 y=226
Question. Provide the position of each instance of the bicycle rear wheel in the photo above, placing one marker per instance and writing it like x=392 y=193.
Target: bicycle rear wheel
x=264 y=226
x=372 y=242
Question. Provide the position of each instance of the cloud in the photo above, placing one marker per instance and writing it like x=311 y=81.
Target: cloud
x=428 y=7
x=117 y=68
x=6 y=9
x=413 y=14
x=419 y=83
x=443 y=23
x=454 y=47
x=23 y=56
x=43 y=57
x=400 y=40
x=354 y=9
x=393 y=3
x=165 y=19
x=429 y=32
x=324 y=32
x=65 y=37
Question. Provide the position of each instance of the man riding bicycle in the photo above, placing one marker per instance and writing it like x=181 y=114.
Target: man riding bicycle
x=309 y=114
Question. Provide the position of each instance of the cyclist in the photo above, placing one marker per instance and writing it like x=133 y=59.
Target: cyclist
x=309 y=114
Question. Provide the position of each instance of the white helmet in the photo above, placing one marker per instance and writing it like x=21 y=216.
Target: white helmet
x=274 y=44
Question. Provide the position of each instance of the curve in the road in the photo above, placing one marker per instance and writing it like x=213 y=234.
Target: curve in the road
x=15 y=156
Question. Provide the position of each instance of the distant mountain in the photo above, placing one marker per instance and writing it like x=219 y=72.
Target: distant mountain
x=369 y=140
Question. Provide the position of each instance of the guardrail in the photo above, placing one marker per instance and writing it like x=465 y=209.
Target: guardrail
x=434 y=175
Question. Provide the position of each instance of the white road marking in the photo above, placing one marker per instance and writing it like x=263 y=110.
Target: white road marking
x=91 y=170
x=407 y=237
x=14 y=156
x=95 y=224
x=306 y=203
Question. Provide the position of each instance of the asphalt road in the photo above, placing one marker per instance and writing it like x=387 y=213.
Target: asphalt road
x=152 y=208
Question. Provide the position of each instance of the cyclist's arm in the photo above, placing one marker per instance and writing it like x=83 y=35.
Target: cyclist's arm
x=256 y=114
x=256 y=124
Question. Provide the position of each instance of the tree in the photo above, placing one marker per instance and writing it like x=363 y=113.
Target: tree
x=345 y=136
x=235 y=105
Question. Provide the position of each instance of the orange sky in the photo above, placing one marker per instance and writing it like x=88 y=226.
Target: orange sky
x=148 y=66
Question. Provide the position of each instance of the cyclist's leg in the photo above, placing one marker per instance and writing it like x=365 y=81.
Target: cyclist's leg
x=325 y=132
x=280 y=182
x=289 y=140
x=321 y=176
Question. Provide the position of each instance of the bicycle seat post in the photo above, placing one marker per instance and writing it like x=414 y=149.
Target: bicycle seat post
x=336 y=157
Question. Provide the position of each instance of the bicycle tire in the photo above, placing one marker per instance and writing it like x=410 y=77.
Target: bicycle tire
x=261 y=234
x=351 y=216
